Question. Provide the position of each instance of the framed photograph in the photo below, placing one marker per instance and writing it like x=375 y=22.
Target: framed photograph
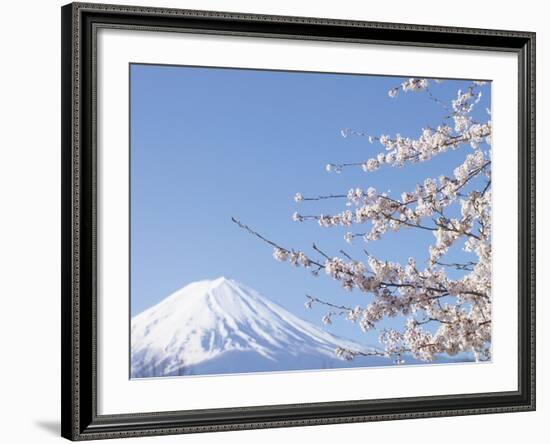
x=281 y=221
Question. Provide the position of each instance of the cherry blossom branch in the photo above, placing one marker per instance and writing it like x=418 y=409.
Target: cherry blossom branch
x=444 y=291
x=467 y=266
x=373 y=164
x=329 y=304
x=299 y=198
x=258 y=235
x=461 y=307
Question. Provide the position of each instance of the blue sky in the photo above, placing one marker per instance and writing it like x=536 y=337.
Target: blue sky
x=211 y=143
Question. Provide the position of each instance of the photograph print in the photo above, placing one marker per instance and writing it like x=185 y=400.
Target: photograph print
x=306 y=221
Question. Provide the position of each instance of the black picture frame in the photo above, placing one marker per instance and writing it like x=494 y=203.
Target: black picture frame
x=80 y=420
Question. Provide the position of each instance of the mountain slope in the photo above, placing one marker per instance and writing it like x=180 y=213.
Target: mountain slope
x=220 y=326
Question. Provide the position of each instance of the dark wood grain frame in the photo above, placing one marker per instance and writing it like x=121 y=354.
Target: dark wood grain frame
x=80 y=22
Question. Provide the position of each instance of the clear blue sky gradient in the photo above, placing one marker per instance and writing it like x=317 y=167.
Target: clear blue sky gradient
x=211 y=143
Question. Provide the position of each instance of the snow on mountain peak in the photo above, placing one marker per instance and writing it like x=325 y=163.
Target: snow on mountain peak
x=221 y=326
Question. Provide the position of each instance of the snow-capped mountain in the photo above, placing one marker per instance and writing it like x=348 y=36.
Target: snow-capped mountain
x=221 y=326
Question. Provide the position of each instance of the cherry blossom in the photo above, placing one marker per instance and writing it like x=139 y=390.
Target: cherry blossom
x=444 y=313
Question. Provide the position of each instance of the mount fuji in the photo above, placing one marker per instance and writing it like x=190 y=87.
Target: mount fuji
x=221 y=326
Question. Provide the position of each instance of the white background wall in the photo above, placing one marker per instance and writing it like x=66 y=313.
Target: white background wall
x=30 y=218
